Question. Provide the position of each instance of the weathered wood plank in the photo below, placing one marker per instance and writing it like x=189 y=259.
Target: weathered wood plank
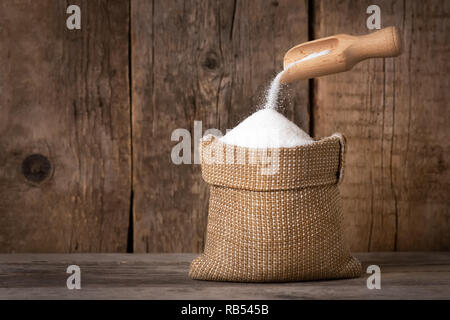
x=395 y=115
x=208 y=61
x=64 y=95
x=404 y=275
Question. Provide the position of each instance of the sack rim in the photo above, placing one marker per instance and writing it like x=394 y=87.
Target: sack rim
x=317 y=163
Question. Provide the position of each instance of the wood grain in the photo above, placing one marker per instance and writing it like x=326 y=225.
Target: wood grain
x=64 y=95
x=68 y=134
x=165 y=276
x=206 y=61
x=395 y=114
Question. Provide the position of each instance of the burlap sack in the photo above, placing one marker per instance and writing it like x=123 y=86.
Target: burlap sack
x=274 y=216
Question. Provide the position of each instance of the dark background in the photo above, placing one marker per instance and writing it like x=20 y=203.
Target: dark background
x=86 y=117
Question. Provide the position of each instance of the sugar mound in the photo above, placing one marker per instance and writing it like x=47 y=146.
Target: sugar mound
x=267 y=128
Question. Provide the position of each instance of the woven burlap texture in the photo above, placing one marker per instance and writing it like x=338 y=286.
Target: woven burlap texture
x=282 y=224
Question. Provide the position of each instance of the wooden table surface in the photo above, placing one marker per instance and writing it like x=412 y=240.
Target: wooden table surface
x=404 y=275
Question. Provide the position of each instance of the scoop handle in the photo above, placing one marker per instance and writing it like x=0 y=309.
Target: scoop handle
x=383 y=43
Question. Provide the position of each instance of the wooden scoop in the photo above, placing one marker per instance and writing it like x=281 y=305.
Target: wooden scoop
x=344 y=52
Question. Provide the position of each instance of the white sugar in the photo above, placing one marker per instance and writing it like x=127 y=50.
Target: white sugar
x=267 y=128
x=274 y=89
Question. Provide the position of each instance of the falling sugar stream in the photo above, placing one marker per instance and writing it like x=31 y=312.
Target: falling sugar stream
x=267 y=128
x=274 y=89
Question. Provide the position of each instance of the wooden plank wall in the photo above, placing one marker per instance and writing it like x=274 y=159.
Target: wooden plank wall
x=109 y=183
x=208 y=61
x=64 y=96
x=395 y=114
